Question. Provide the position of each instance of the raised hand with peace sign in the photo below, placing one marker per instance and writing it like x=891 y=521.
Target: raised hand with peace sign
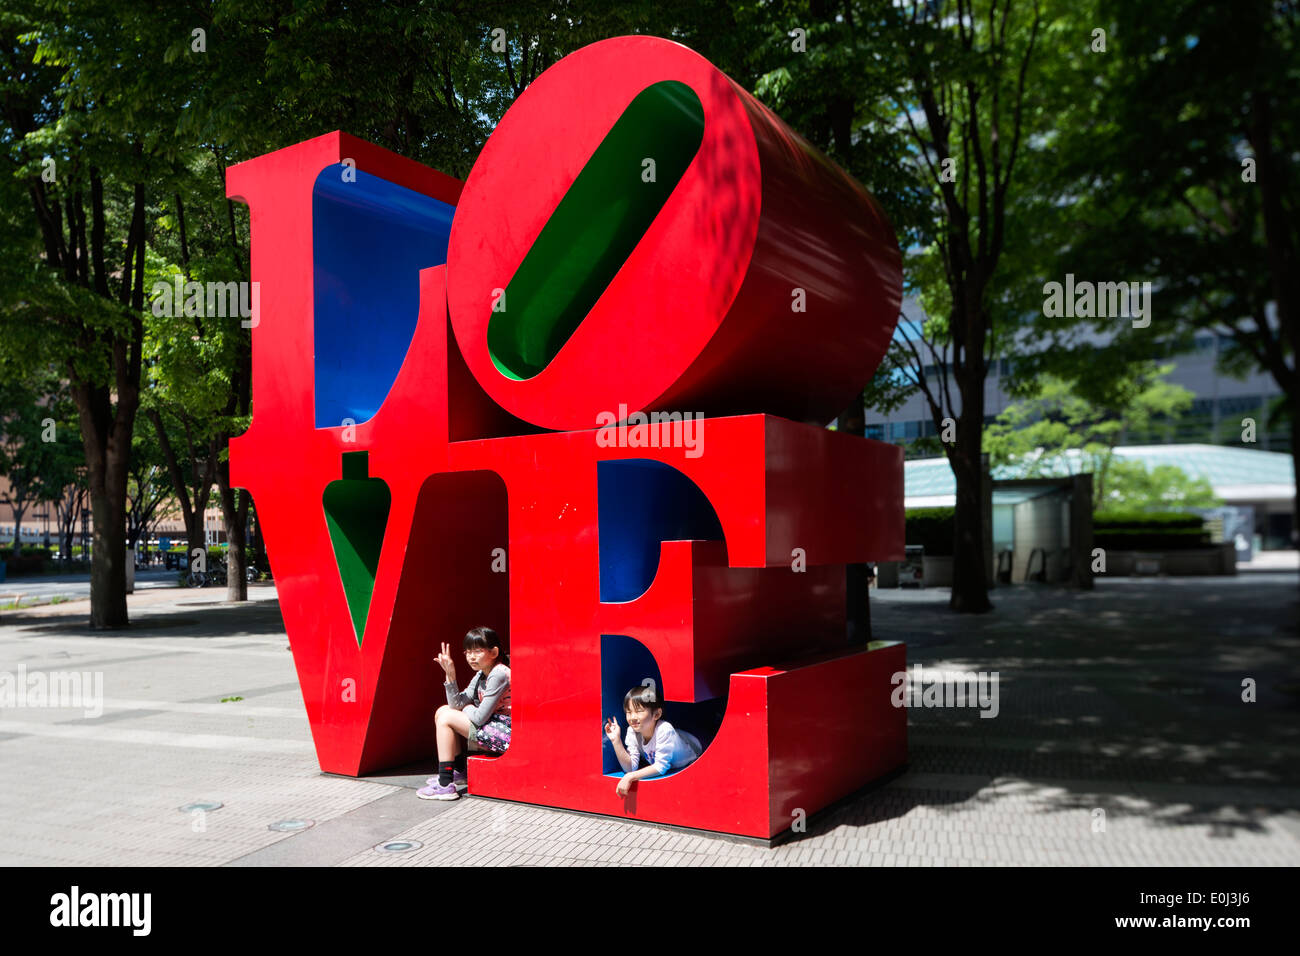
x=448 y=665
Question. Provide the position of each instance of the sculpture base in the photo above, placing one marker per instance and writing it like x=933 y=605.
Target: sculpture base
x=797 y=739
x=786 y=836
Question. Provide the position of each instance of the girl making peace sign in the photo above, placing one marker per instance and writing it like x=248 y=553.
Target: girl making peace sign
x=480 y=714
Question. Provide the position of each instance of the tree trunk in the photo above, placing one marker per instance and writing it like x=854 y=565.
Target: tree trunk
x=1295 y=472
x=858 y=603
x=192 y=508
x=970 y=582
x=106 y=439
x=108 y=565
x=970 y=579
x=259 y=547
x=969 y=573
x=18 y=528
x=107 y=464
x=195 y=537
x=69 y=510
x=853 y=421
x=107 y=422
x=133 y=525
x=235 y=518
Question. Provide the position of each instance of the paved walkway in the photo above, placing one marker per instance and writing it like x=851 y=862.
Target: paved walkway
x=39 y=589
x=1119 y=707
x=1288 y=560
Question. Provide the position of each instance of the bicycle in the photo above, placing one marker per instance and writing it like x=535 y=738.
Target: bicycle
x=217 y=573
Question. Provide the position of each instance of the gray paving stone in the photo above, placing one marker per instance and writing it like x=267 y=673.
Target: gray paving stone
x=1093 y=714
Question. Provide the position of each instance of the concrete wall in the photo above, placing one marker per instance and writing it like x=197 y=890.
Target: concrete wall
x=1220 y=559
x=1039 y=523
x=938 y=572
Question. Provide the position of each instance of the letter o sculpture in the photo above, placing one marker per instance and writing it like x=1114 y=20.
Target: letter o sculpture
x=687 y=303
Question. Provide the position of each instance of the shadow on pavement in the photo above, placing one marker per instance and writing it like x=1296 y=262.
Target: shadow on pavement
x=1133 y=698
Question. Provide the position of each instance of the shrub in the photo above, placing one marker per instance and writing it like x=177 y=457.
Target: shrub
x=1141 y=539
x=1149 y=531
x=25 y=563
x=1148 y=520
x=932 y=528
x=28 y=551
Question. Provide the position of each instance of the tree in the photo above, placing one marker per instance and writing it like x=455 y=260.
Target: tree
x=148 y=487
x=65 y=463
x=454 y=69
x=940 y=98
x=191 y=470
x=1059 y=431
x=26 y=438
x=1188 y=171
x=78 y=115
x=200 y=363
x=1134 y=487
x=820 y=70
x=68 y=509
x=120 y=120
x=968 y=71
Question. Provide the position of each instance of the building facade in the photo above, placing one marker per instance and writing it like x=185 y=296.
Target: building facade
x=1220 y=405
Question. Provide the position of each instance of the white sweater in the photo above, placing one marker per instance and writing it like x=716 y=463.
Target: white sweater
x=668 y=749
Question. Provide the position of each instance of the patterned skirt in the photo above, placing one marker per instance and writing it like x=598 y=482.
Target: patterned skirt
x=495 y=734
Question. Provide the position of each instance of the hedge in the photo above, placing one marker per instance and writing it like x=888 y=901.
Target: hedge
x=1149 y=531
x=28 y=550
x=1139 y=539
x=932 y=528
x=1148 y=520
x=34 y=563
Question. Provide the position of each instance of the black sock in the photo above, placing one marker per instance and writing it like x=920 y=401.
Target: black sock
x=444 y=773
x=460 y=763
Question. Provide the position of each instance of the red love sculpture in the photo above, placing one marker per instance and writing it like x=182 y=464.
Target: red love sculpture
x=678 y=322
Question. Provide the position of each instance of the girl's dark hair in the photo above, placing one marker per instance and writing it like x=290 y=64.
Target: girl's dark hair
x=485 y=638
x=645 y=696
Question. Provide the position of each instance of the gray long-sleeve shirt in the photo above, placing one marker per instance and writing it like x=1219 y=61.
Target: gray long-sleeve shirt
x=484 y=696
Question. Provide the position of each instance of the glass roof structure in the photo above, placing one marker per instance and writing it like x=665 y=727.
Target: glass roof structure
x=1236 y=474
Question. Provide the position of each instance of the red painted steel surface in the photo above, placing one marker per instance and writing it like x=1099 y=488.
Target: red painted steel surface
x=719 y=616
x=700 y=318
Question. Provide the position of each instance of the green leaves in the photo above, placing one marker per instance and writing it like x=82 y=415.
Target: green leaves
x=1060 y=431
x=1186 y=93
x=1133 y=485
